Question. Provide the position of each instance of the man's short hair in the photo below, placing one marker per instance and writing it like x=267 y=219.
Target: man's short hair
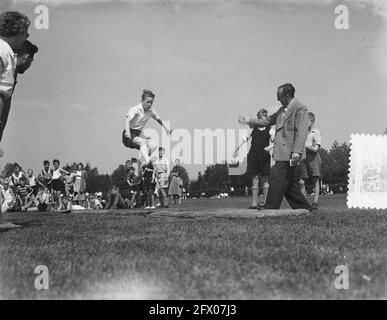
x=56 y=161
x=311 y=116
x=46 y=162
x=147 y=93
x=287 y=89
x=28 y=48
x=13 y=23
x=161 y=149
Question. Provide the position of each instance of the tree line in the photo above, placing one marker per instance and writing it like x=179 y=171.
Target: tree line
x=335 y=164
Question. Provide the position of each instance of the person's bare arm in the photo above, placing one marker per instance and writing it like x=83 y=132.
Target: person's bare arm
x=157 y=118
x=269 y=121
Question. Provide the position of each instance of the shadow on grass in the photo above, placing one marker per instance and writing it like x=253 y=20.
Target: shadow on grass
x=24 y=224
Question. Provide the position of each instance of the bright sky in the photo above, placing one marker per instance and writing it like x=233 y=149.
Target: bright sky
x=207 y=62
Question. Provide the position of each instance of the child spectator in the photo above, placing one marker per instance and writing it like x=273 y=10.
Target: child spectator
x=80 y=185
x=175 y=187
x=148 y=184
x=17 y=174
x=24 y=193
x=65 y=206
x=43 y=199
x=57 y=184
x=69 y=180
x=115 y=200
x=45 y=176
x=134 y=181
x=4 y=178
x=33 y=182
x=8 y=197
x=162 y=174
x=311 y=166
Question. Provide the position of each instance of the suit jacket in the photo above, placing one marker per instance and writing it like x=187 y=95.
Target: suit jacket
x=291 y=130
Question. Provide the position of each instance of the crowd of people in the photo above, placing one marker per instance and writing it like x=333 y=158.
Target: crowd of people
x=151 y=184
x=56 y=188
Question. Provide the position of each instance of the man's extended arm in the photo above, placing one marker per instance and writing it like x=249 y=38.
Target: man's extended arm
x=269 y=121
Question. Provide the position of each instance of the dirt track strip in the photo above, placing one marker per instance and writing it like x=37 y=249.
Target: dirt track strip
x=230 y=213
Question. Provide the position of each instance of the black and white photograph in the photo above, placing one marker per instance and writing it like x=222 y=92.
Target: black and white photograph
x=182 y=150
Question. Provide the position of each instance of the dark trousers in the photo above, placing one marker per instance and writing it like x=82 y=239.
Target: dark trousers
x=283 y=182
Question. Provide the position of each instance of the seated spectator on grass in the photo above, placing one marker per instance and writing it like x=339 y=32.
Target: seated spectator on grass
x=115 y=200
x=33 y=182
x=95 y=203
x=42 y=199
x=65 y=206
x=4 y=178
x=23 y=192
x=8 y=198
x=17 y=174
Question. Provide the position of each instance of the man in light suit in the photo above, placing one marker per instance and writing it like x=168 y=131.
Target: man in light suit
x=291 y=122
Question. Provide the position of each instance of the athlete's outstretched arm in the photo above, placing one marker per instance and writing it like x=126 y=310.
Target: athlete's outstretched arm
x=168 y=130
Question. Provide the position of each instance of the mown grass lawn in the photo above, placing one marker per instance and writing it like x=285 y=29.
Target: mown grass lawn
x=130 y=255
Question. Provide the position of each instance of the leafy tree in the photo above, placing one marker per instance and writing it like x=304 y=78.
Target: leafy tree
x=335 y=163
x=216 y=175
x=94 y=181
x=118 y=177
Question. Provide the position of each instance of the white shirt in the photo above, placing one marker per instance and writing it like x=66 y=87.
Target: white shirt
x=56 y=174
x=313 y=138
x=32 y=181
x=139 y=117
x=7 y=69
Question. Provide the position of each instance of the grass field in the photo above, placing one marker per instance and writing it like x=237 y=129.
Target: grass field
x=129 y=254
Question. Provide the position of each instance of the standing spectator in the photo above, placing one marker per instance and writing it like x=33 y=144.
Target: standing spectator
x=258 y=159
x=311 y=165
x=45 y=176
x=148 y=184
x=134 y=180
x=115 y=200
x=246 y=191
x=162 y=174
x=291 y=122
x=80 y=185
x=175 y=187
x=58 y=186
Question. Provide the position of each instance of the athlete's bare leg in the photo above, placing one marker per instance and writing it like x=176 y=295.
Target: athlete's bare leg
x=147 y=147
